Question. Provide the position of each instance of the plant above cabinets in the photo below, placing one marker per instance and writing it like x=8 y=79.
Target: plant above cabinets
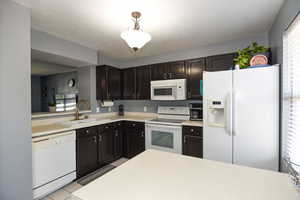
x=244 y=56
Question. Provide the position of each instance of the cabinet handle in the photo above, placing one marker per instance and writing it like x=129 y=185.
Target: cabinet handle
x=106 y=127
x=116 y=134
x=165 y=76
x=184 y=139
x=133 y=124
x=87 y=131
x=100 y=138
x=192 y=130
x=142 y=134
x=95 y=139
x=170 y=75
x=189 y=94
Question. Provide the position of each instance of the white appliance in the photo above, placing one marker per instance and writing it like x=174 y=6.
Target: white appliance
x=165 y=132
x=241 y=117
x=168 y=89
x=53 y=162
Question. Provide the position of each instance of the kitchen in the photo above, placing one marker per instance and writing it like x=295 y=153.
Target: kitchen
x=95 y=117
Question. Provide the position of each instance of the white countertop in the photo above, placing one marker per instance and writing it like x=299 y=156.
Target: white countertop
x=62 y=126
x=156 y=175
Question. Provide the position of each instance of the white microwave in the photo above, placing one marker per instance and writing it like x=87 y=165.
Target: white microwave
x=168 y=89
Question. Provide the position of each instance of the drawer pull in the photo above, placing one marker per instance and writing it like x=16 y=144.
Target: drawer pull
x=87 y=131
x=192 y=130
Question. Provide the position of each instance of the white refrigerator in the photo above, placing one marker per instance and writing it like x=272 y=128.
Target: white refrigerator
x=241 y=117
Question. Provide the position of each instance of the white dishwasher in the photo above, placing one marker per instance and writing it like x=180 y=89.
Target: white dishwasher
x=53 y=162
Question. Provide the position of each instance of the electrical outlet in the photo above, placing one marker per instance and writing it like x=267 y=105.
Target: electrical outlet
x=98 y=109
x=145 y=108
x=109 y=109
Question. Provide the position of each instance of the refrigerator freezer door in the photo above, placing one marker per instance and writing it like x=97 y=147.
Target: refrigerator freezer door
x=217 y=141
x=256 y=122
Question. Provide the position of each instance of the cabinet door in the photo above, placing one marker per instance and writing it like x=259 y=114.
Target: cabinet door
x=159 y=72
x=195 y=69
x=118 y=140
x=143 y=82
x=129 y=89
x=176 y=70
x=86 y=155
x=141 y=139
x=193 y=146
x=220 y=62
x=101 y=83
x=105 y=145
x=114 y=83
x=134 y=138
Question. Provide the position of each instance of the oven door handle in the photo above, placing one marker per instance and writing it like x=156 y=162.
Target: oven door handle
x=162 y=126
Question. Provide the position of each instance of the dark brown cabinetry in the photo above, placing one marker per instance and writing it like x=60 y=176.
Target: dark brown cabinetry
x=105 y=144
x=176 y=70
x=108 y=83
x=170 y=70
x=86 y=151
x=195 y=70
x=159 y=72
x=118 y=140
x=192 y=143
x=134 y=138
x=143 y=82
x=129 y=84
x=220 y=62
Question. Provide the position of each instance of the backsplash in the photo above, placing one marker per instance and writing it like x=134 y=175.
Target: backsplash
x=138 y=105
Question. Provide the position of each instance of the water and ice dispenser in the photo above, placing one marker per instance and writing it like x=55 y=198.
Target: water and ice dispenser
x=216 y=113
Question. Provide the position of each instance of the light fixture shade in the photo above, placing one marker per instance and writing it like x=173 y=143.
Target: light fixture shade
x=135 y=39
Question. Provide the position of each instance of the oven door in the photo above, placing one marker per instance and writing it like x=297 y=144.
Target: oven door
x=163 y=92
x=164 y=137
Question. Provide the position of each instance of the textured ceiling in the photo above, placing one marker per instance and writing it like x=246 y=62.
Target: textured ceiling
x=174 y=24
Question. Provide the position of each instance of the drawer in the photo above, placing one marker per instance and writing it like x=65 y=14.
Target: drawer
x=86 y=132
x=105 y=127
x=192 y=130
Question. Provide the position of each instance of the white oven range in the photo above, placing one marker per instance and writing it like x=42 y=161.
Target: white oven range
x=165 y=132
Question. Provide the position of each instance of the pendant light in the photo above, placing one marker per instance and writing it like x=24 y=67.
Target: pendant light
x=135 y=38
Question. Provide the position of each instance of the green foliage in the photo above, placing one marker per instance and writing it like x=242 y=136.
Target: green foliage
x=51 y=104
x=245 y=55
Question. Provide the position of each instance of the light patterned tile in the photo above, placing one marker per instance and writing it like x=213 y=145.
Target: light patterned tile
x=73 y=198
x=46 y=198
x=72 y=187
x=60 y=195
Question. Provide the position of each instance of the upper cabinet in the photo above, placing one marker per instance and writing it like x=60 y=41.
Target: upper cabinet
x=108 y=83
x=159 y=72
x=220 y=62
x=129 y=85
x=170 y=70
x=143 y=79
x=195 y=69
x=176 y=70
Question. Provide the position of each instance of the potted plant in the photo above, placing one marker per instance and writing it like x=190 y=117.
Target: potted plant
x=52 y=107
x=245 y=55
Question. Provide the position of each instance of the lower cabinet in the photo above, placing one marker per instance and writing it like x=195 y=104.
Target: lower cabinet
x=192 y=141
x=118 y=140
x=105 y=144
x=101 y=145
x=134 y=138
x=86 y=151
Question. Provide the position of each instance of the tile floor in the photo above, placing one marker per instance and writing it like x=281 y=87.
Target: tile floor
x=65 y=193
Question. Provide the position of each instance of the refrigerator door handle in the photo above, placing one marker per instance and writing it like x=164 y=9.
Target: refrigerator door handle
x=233 y=112
x=228 y=113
